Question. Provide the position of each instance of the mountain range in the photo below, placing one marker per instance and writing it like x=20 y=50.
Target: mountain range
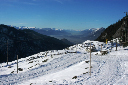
x=74 y=36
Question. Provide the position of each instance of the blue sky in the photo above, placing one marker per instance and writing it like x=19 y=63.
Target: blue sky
x=62 y=14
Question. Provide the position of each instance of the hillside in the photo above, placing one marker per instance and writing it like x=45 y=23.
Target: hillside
x=25 y=42
x=110 y=31
x=68 y=67
x=66 y=41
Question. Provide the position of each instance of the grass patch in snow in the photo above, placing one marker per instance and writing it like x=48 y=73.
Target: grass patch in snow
x=74 y=77
x=45 y=60
x=86 y=61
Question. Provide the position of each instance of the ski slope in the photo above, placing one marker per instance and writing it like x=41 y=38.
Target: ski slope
x=70 y=66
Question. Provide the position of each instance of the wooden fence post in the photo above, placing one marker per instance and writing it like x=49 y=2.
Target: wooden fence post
x=76 y=48
x=116 y=44
x=111 y=45
x=90 y=58
x=17 y=63
x=101 y=47
x=7 y=52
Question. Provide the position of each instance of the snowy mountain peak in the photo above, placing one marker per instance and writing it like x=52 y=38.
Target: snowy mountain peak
x=96 y=29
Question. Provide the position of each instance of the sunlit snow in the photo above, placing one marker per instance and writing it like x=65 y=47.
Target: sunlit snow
x=70 y=66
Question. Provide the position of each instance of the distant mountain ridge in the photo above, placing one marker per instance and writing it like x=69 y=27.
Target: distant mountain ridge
x=25 y=42
x=74 y=36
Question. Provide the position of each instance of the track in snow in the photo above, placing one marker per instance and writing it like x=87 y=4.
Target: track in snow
x=108 y=71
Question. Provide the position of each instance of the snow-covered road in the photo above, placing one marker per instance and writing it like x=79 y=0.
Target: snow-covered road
x=107 y=70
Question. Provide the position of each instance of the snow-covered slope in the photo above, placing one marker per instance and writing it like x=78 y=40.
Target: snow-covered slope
x=70 y=66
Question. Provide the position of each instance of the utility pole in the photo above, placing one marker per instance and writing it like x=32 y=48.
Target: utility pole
x=90 y=58
x=7 y=52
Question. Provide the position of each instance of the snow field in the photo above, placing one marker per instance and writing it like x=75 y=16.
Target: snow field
x=70 y=66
